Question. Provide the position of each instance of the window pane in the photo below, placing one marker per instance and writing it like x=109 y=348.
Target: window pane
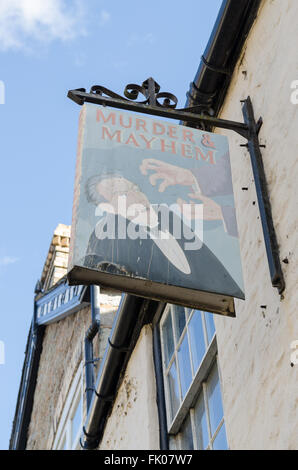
x=179 y=314
x=168 y=340
x=220 y=442
x=173 y=389
x=186 y=435
x=188 y=312
x=214 y=400
x=76 y=421
x=197 y=341
x=184 y=366
x=201 y=423
x=209 y=325
x=63 y=444
x=173 y=443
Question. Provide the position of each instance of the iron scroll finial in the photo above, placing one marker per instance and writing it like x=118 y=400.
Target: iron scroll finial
x=147 y=98
x=150 y=90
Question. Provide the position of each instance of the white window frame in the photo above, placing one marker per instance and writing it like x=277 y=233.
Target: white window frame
x=198 y=384
x=64 y=431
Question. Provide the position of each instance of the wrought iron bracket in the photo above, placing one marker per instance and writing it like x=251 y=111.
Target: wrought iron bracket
x=164 y=104
x=270 y=239
x=155 y=103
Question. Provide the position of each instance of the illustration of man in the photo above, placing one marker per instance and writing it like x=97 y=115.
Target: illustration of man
x=207 y=181
x=149 y=255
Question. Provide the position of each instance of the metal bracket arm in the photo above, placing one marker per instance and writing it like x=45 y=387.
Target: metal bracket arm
x=152 y=105
x=253 y=145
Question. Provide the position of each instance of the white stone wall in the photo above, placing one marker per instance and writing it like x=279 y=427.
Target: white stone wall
x=133 y=423
x=260 y=387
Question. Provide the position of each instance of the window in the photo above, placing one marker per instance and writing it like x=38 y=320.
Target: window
x=71 y=422
x=192 y=388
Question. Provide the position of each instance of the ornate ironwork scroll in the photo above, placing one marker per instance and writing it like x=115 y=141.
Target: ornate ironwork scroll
x=156 y=103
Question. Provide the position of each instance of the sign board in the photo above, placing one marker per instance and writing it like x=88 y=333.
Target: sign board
x=59 y=302
x=153 y=211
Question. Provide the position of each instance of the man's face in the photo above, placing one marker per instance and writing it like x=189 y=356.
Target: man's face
x=116 y=187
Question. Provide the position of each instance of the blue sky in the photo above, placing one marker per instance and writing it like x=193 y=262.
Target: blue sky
x=46 y=48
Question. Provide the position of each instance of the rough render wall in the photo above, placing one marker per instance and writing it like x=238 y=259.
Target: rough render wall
x=62 y=353
x=260 y=388
x=109 y=302
x=133 y=423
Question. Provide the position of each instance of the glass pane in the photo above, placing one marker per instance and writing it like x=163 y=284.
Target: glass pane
x=214 y=400
x=184 y=366
x=63 y=444
x=173 y=443
x=76 y=421
x=220 y=442
x=168 y=340
x=188 y=312
x=201 y=424
x=173 y=389
x=197 y=342
x=179 y=314
x=186 y=435
x=209 y=325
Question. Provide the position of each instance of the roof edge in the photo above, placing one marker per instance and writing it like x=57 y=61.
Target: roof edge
x=212 y=80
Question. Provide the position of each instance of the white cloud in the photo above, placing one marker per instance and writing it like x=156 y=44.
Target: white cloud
x=146 y=38
x=6 y=260
x=104 y=17
x=42 y=20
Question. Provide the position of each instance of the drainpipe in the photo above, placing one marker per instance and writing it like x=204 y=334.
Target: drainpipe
x=222 y=52
x=127 y=324
x=90 y=335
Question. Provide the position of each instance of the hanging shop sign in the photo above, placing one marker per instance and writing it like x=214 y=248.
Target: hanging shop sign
x=154 y=212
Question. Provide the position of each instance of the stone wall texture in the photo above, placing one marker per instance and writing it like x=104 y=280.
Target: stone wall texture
x=61 y=356
x=260 y=387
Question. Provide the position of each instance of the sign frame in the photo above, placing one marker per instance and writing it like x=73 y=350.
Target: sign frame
x=249 y=130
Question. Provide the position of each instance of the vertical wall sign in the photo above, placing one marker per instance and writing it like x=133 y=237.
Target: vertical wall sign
x=153 y=211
